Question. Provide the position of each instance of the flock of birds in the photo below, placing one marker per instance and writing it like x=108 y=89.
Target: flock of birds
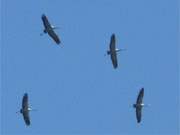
x=49 y=29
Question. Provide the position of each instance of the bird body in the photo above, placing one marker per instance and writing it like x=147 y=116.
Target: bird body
x=139 y=105
x=113 y=51
x=48 y=28
x=25 y=109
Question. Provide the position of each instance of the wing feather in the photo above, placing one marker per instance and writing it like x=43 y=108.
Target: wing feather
x=26 y=117
x=140 y=96
x=25 y=101
x=114 y=59
x=54 y=36
x=138 y=114
x=45 y=21
x=113 y=43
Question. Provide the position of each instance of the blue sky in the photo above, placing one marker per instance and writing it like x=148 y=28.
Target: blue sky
x=74 y=86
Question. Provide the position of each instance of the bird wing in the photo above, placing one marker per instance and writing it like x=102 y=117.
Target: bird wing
x=140 y=96
x=26 y=117
x=45 y=22
x=114 y=59
x=54 y=36
x=25 y=102
x=113 y=43
x=113 y=51
x=138 y=114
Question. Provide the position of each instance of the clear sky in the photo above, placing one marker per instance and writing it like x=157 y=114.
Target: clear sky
x=74 y=86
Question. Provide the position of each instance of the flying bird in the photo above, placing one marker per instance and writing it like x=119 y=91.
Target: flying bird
x=25 y=109
x=113 y=51
x=139 y=105
x=48 y=28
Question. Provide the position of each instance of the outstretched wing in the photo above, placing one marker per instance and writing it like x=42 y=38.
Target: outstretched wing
x=45 y=22
x=114 y=59
x=138 y=114
x=140 y=96
x=113 y=51
x=25 y=102
x=113 y=43
x=26 y=117
x=54 y=36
